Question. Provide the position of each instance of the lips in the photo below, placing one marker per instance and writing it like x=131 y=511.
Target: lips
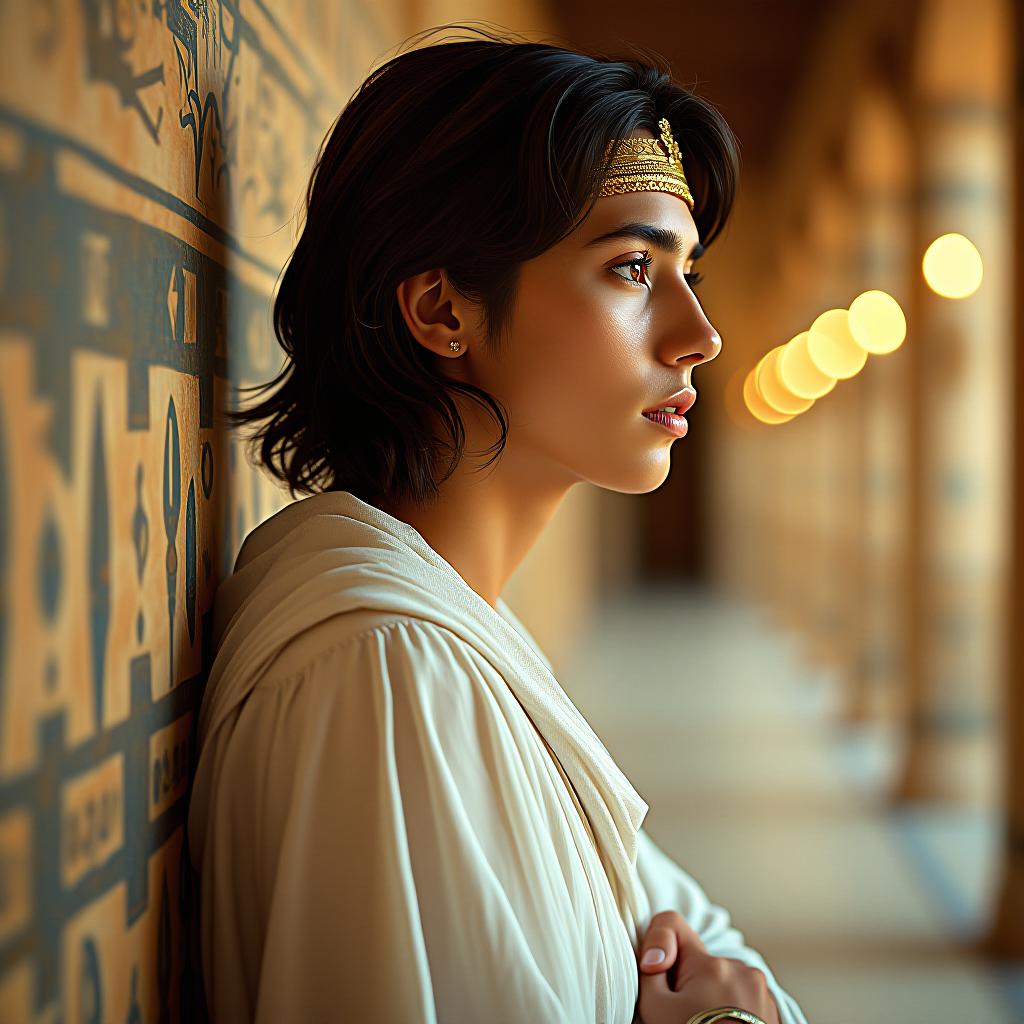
x=680 y=401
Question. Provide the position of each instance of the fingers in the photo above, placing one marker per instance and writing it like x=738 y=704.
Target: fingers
x=668 y=932
x=686 y=936
x=687 y=940
x=710 y=980
x=658 y=949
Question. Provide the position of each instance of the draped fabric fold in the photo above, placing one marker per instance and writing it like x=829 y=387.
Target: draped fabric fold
x=333 y=553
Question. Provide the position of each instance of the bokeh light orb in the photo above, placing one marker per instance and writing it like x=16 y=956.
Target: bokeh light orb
x=798 y=373
x=757 y=406
x=877 y=322
x=772 y=389
x=952 y=266
x=831 y=346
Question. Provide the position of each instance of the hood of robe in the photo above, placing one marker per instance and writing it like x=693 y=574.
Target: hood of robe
x=331 y=553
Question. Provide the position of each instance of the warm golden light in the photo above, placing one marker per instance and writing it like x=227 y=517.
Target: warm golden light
x=758 y=407
x=735 y=406
x=952 y=266
x=831 y=346
x=799 y=375
x=773 y=390
x=877 y=322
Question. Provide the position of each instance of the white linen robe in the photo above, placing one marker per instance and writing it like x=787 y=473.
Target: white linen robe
x=398 y=815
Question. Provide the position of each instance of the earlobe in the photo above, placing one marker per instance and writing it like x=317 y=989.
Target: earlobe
x=428 y=312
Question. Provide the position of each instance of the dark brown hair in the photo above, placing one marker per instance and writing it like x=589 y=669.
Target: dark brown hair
x=473 y=156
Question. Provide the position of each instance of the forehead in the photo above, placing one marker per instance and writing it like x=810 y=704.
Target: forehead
x=661 y=209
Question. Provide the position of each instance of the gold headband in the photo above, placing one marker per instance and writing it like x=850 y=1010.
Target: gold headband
x=647 y=165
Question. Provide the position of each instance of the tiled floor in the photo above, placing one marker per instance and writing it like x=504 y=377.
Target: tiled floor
x=864 y=914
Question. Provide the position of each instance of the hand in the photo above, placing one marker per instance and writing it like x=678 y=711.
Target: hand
x=690 y=979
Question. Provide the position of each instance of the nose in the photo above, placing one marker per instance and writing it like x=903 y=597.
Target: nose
x=711 y=345
x=696 y=340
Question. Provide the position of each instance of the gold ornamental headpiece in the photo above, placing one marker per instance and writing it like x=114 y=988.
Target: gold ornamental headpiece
x=647 y=165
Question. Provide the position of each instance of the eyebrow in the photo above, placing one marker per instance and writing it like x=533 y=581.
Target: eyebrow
x=664 y=239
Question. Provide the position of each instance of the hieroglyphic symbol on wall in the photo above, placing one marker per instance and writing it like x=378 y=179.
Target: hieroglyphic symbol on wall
x=206 y=470
x=99 y=556
x=206 y=477
x=181 y=304
x=95 y=278
x=140 y=538
x=194 y=110
x=50 y=584
x=190 y=560
x=134 y=1011
x=109 y=34
x=90 y=984
x=112 y=39
x=220 y=323
x=172 y=509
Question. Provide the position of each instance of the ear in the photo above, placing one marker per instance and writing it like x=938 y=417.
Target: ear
x=434 y=312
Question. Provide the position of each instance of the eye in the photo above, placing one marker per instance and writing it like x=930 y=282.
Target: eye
x=694 y=278
x=639 y=277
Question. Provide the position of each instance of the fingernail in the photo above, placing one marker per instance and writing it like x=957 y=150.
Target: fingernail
x=653 y=956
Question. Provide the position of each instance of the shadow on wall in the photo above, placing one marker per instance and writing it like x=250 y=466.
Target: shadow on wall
x=151 y=156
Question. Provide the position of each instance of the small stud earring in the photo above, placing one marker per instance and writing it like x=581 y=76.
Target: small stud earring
x=455 y=344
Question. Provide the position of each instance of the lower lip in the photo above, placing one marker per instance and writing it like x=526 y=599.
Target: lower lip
x=676 y=425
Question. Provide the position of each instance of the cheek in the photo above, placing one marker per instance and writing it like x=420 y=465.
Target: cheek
x=579 y=352
x=577 y=319
x=563 y=297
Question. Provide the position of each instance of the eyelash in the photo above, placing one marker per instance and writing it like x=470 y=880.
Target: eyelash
x=692 y=279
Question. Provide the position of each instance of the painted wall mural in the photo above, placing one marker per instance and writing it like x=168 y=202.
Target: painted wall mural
x=153 y=158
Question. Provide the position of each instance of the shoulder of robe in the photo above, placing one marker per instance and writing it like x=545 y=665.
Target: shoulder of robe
x=400 y=638
x=417 y=669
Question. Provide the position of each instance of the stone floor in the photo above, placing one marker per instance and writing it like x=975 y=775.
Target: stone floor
x=863 y=913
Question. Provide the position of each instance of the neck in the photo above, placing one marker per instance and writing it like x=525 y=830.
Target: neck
x=485 y=522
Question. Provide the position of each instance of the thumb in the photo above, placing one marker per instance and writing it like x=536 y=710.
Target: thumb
x=670 y=933
x=658 y=949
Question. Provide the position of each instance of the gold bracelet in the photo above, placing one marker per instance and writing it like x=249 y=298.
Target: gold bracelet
x=723 y=1013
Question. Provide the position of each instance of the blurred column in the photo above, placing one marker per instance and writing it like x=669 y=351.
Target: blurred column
x=738 y=478
x=837 y=447
x=959 y=410
x=808 y=444
x=879 y=168
x=794 y=491
x=821 y=566
x=729 y=490
x=1007 y=936
x=740 y=471
x=782 y=453
x=790 y=527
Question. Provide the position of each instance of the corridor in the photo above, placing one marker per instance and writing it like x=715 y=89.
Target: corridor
x=864 y=913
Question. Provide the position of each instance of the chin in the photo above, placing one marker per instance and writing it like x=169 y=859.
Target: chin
x=639 y=478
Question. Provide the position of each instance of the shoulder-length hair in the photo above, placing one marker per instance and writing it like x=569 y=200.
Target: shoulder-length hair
x=473 y=156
